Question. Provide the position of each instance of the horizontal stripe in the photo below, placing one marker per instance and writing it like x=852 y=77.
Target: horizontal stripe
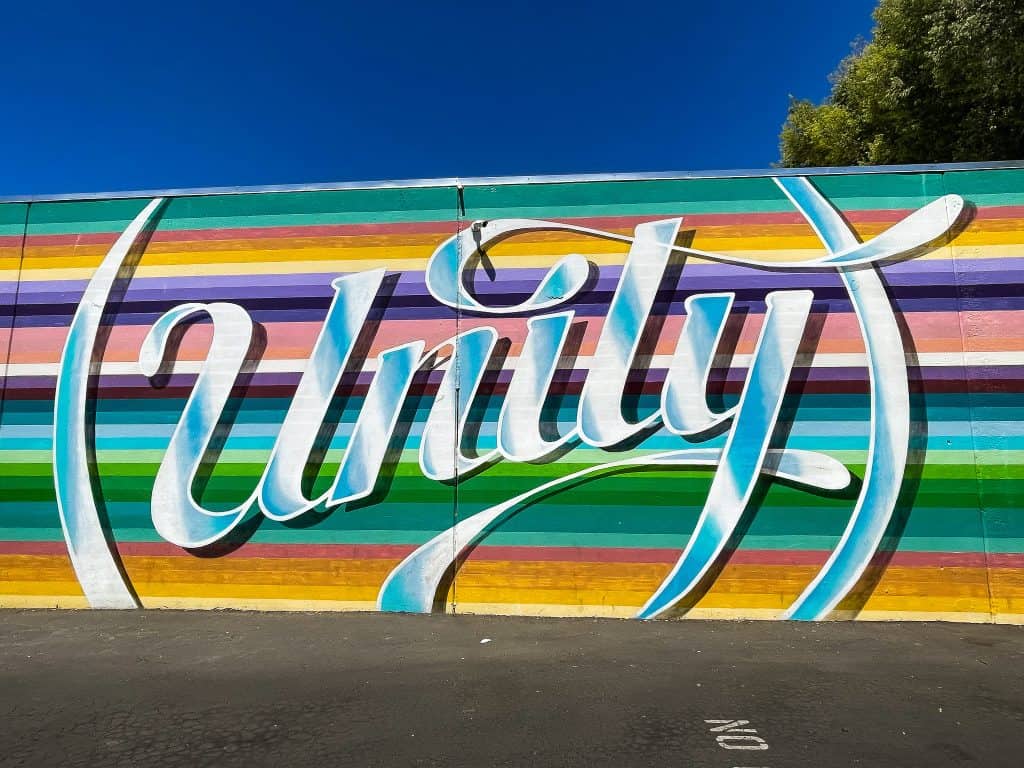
x=932 y=333
x=662 y=362
x=536 y=554
x=861 y=217
x=815 y=380
x=604 y=546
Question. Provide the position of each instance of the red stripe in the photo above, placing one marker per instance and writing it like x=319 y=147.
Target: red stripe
x=252 y=550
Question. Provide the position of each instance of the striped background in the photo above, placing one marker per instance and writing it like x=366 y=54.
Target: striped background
x=956 y=549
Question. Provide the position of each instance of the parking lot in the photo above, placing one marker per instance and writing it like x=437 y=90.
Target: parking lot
x=276 y=689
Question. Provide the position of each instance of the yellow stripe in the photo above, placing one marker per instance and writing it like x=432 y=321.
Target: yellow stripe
x=60 y=263
x=43 y=601
x=974 y=617
x=569 y=588
x=250 y=604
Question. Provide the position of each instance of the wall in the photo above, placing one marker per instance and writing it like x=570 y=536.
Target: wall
x=645 y=431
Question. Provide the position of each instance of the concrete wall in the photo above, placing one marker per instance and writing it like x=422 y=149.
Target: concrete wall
x=715 y=397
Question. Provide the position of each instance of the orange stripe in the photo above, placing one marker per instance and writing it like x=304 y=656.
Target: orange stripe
x=915 y=589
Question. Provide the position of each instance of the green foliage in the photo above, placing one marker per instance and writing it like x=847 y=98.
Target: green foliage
x=940 y=81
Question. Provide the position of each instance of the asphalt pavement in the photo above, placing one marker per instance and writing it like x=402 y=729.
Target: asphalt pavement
x=169 y=688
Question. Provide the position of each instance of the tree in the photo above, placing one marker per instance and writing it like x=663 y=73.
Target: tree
x=940 y=81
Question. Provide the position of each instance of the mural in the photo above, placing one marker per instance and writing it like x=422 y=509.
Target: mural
x=762 y=397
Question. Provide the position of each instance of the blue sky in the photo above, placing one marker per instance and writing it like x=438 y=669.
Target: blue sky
x=105 y=96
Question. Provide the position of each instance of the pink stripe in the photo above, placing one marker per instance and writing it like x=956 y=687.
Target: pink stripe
x=932 y=332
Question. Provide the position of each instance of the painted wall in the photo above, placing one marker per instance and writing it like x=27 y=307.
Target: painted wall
x=719 y=397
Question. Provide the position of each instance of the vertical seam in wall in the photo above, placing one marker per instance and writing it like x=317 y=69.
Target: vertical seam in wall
x=968 y=387
x=14 y=314
x=460 y=208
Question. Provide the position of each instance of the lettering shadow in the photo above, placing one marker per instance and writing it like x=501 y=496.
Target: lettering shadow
x=638 y=378
x=857 y=597
x=241 y=533
x=853 y=604
x=796 y=388
x=118 y=289
x=488 y=397
x=346 y=392
x=560 y=393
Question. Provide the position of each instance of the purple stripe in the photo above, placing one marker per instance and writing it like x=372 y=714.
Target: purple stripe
x=508 y=291
x=150 y=297
x=283 y=310
x=900 y=271
x=896 y=270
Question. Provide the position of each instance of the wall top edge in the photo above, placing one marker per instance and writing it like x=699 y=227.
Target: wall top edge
x=480 y=181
